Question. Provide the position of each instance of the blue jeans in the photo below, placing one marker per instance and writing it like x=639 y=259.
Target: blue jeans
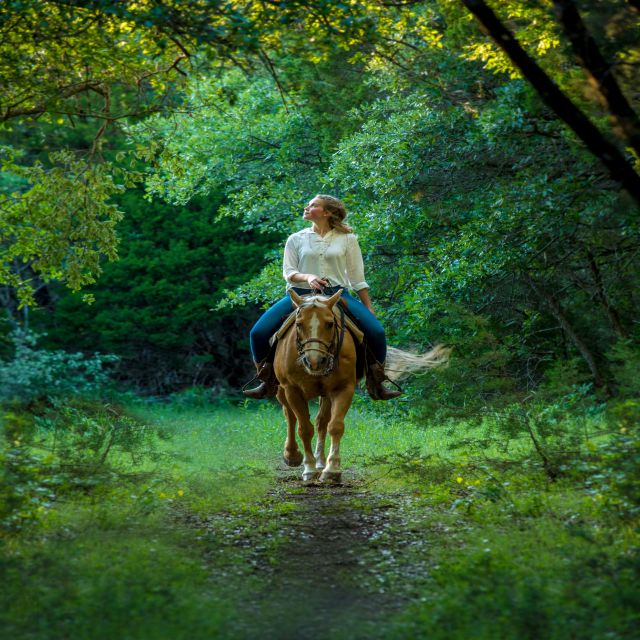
x=273 y=317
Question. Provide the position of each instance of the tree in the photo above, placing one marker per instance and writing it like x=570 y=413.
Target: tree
x=587 y=49
x=155 y=306
x=105 y=62
x=483 y=206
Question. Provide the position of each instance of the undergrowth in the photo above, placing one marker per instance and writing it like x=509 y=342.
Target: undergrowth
x=161 y=519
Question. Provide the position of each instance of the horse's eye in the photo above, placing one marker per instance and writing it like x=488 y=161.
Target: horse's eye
x=329 y=325
x=298 y=327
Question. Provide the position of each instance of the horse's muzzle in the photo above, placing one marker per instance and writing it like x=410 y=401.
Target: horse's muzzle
x=318 y=366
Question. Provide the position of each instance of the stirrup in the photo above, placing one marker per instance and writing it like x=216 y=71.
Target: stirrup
x=375 y=379
x=268 y=387
x=246 y=384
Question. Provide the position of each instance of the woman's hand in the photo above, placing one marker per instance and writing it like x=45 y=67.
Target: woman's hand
x=316 y=282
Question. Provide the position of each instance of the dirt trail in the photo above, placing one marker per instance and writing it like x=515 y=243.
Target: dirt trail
x=327 y=570
x=324 y=560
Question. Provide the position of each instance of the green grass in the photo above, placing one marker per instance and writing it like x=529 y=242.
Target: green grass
x=543 y=564
x=251 y=434
x=240 y=448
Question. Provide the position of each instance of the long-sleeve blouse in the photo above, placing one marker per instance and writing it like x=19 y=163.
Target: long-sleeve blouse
x=336 y=256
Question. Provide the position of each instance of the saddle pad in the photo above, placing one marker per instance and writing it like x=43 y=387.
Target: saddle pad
x=357 y=334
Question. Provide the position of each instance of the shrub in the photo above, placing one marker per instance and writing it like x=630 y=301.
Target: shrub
x=62 y=446
x=613 y=469
x=34 y=373
x=25 y=491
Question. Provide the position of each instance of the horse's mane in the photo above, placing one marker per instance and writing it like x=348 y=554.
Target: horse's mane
x=401 y=364
x=314 y=301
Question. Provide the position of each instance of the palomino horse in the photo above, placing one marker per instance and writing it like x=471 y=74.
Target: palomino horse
x=317 y=358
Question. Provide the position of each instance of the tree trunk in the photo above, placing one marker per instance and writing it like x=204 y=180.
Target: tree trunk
x=558 y=313
x=619 y=169
x=612 y=313
x=625 y=119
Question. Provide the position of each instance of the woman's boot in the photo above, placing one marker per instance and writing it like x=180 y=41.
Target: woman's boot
x=268 y=382
x=375 y=377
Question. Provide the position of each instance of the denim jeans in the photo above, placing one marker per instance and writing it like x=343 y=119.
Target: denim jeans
x=273 y=317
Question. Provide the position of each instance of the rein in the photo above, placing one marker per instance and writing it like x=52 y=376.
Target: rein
x=331 y=349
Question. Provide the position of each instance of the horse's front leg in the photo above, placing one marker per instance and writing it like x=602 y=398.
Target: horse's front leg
x=299 y=405
x=322 y=419
x=340 y=403
x=292 y=455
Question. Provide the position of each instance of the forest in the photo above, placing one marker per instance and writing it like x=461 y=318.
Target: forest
x=155 y=155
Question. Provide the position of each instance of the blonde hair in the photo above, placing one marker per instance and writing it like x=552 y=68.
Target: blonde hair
x=337 y=212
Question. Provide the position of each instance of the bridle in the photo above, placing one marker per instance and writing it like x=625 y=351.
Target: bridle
x=329 y=349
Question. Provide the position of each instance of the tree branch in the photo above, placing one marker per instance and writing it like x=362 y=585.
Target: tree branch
x=41 y=107
x=272 y=70
x=603 y=298
x=625 y=119
x=558 y=313
x=619 y=168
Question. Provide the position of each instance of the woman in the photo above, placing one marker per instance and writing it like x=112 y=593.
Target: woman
x=322 y=258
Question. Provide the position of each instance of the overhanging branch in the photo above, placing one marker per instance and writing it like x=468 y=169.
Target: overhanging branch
x=625 y=119
x=619 y=168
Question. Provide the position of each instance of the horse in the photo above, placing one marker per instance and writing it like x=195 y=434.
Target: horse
x=317 y=357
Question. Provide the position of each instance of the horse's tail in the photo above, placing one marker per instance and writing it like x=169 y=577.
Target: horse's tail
x=400 y=364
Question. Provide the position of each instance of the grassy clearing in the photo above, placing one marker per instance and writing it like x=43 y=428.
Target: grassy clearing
x=191 y=541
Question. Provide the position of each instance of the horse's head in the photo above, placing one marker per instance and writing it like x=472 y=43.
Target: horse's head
x=316 y=333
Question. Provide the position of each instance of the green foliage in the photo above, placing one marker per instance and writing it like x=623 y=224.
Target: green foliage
x=88 y=49
x=507 y=586
x=266 y=287
x=91 y=66
x=468 y=202
x=612 y=469
x=480 y=216
x=60 y=225
x=551 y=429
x=479 y=373
x=476 y=546
x=85 y=445
x=145 y=583
x=86 y=434
x=155 y=307
x=245 y=142
x=26 y=487
x=31 y=373
x=624 y=359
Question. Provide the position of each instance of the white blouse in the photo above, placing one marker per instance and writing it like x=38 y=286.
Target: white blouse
x=336 y=256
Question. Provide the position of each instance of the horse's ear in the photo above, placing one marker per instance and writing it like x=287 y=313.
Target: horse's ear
x=297 y=300
x=334 y=298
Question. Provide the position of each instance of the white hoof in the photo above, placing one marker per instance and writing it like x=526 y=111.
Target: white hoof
x=310 y=476
x=331 y=477
x=319 y=465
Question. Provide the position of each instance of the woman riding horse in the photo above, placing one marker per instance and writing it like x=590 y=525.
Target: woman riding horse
x=330 y=248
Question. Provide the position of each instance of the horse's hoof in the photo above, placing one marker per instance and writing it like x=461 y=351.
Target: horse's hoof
x=331 y=477
x=319 y=465
x=294 y=461
x=310 y=476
